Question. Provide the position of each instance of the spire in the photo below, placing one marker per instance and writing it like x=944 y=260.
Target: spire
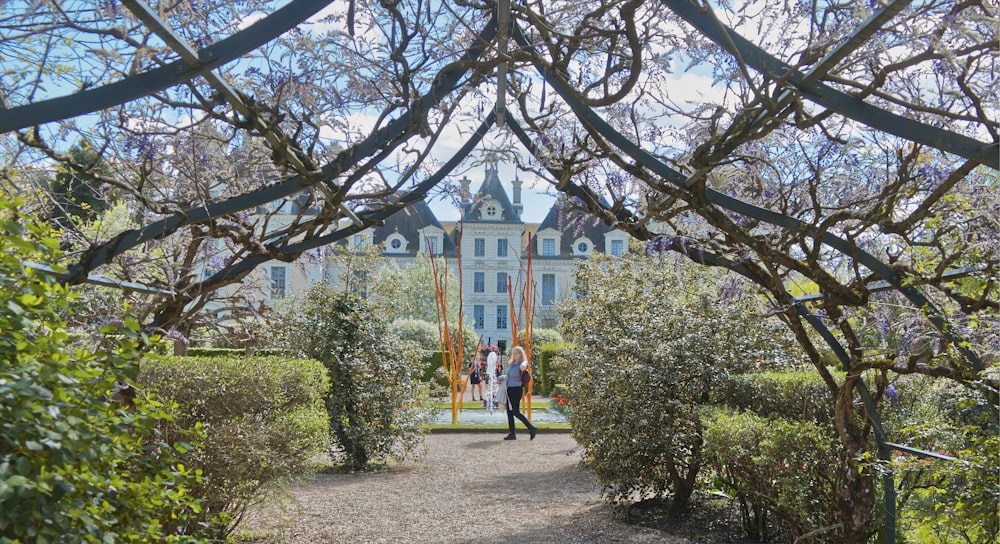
x=492 y=159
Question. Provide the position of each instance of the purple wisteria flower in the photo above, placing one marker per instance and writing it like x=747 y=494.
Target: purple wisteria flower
x=891 y=394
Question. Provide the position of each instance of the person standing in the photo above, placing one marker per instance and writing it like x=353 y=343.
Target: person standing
x=476 y=376
x=515 y=389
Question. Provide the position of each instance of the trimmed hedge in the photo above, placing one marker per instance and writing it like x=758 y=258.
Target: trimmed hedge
x=231 y=352
x=791 y=395
x=542 y=357
x=264 y=421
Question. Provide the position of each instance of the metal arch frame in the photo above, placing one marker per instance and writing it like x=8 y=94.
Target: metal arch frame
x=646 y=159
x=179 y=71
x=837 y=101
x=272 y=133
x=446 y=81
x=298 y=10
x=99 y=280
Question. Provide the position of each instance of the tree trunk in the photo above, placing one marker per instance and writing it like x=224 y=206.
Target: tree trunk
x=855 y=502
x=856 y=496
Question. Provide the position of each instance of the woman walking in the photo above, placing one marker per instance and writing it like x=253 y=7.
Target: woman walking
x=515 y=388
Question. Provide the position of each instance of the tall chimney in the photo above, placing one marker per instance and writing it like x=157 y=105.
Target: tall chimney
x=466 y=195
x=517 y=194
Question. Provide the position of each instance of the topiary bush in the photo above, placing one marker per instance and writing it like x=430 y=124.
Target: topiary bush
x=75 y=464
x=542 y=357
x=781 y=474
x=264 y=422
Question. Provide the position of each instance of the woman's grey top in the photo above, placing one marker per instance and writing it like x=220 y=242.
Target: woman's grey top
x=514 y=375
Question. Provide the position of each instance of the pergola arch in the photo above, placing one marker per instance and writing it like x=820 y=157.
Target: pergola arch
x=468 y=70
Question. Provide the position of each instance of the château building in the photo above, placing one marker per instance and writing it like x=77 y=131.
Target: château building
x=493 y=238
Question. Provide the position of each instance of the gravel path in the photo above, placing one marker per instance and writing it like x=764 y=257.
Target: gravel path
x=465 y=488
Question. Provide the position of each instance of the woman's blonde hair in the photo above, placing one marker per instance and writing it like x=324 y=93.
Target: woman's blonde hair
x=524 y=356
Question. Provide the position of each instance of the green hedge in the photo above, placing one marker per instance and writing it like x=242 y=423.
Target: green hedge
x=792 y=395
x=542 y=357
x=431 y=365
x=781 y=474
x=231 y=352
x=264 y=421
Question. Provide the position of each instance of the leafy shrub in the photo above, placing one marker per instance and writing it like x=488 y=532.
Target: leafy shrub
x=940 y=500
x=375 y=405
x=263 y=419
x=76 y=465
x=541 y=336
x=800 y=396
x=782 y=474
x=422 y=333
x=652 y=338
x=637 y=427
x=425 y=335
x=951 y=501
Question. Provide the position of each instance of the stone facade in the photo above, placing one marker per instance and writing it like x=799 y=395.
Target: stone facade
x=494 y=245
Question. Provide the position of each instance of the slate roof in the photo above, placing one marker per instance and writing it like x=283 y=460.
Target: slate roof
x=573 y=224
x=407 y=223
x=491 y=189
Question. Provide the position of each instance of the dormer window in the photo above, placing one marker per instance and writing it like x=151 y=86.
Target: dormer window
x=430 y=240
x=395 y=243
x=548 y=247
x=582 y=247
x=616 y=243
x=617 y=248
x=491 y=211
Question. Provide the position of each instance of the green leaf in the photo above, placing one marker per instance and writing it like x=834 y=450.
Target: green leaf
x=17 y=481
